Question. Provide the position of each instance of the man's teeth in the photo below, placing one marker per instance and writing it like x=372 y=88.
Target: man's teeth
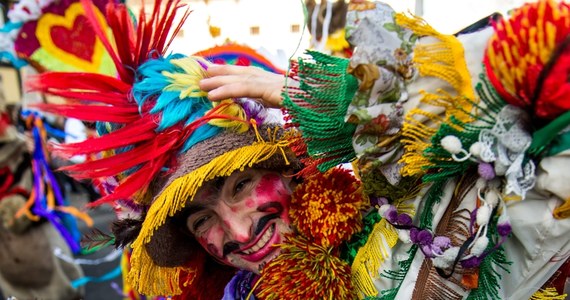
x=262 y=241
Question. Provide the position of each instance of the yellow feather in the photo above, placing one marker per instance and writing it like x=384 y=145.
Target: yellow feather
x=187 y=81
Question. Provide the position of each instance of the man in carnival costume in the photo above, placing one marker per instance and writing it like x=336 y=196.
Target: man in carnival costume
x=462 y=191
x=460 y=141
x=29 y=268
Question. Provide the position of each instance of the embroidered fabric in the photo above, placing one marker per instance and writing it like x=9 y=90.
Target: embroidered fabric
x=505 y=145
x=383 y=54
x=240 y=286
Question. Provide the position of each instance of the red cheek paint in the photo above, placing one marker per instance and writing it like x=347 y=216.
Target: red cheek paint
x=210 y=239
x=227 y=224
x=249 y=203
x=271 y=189
x=267 y=186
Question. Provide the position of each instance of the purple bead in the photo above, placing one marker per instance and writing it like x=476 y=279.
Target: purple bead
x=426 y=249
x=391 y=214
x=504 y=229
x=382 y=201
x=414 y=235
x=471 y=262
x=424 y=237
x=442 y=242
x=486 y=171
x=404 y=219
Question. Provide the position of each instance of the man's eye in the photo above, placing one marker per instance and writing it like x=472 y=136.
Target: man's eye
x=240 y=185
x=199 y=223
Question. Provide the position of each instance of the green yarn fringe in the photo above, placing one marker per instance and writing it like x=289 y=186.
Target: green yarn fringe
x=426 y=219
x=443 y=166
x=319 y=108
x=488 y=274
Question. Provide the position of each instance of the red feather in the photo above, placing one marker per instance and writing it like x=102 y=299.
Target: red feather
x=134 y=183
x=99 y=113
x=83 y=81
x=137 y=132
x=124 y=161
x=119 y=19
x=99 y=31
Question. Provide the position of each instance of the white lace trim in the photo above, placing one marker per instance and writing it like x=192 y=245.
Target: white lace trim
x=505 y=145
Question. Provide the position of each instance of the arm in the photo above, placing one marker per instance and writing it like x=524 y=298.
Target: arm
x=228 y=81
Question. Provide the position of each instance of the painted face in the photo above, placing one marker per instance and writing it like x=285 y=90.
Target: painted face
x=239 y=219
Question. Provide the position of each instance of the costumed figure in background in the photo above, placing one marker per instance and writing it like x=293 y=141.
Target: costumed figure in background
x=28 y=267
x=454 y=198
x=326 y=23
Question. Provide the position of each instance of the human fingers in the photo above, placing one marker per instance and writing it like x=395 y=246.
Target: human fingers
x=219 y=70
x=228 y=81
x=269 y=95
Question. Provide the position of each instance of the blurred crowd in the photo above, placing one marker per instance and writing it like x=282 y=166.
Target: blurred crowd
x=29 y=268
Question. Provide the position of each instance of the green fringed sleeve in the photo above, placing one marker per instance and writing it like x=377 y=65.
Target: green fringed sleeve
x=318 y=108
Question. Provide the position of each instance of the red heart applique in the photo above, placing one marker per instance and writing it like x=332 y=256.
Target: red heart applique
x=68 y=42
x=79 y=40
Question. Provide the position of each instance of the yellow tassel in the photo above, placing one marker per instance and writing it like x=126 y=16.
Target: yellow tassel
x=371 y=256
x=548 y=294
x=563 y=211
x=145 y=276
x=445 y=60
x=148 y=278
x=415 y=135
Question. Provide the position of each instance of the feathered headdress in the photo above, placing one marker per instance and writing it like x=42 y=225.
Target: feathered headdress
x=160 y=137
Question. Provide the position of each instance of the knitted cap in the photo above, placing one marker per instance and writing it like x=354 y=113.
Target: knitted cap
x=163 y=246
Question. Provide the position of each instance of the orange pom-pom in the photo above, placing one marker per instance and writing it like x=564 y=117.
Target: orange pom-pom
x=326 y=207
x=305 y=270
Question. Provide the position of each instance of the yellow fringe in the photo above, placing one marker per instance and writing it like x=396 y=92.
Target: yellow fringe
x=548 y=294
x=370 y=257
x=150 y=279
x=445 y=60
x=563 y=211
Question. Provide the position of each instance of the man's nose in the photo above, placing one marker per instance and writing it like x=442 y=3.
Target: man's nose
x=237 y=224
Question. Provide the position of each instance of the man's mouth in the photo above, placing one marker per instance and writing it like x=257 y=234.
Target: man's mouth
x=262 y=241
x=263 y=246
